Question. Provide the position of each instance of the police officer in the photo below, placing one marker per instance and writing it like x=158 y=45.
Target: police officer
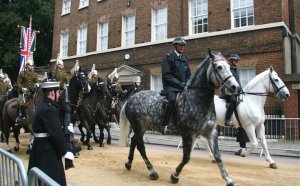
x=60 y=74
x=49 y=145
x=175 y=74
x=26 y=83
x=231 y=100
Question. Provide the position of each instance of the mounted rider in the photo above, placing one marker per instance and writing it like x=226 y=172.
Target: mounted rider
x=60 y=74
x=93 y=76
x=4 y=86
x=113 y=85
x=231 y=100
x=175 y=74
x=26 y=82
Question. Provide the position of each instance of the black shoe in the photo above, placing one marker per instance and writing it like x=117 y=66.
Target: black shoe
x=238 y=153
x=228 y=123
x=165 y=130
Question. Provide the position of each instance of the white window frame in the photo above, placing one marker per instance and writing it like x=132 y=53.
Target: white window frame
x=159 y=24
x=128 y=34
x=64 y=43
x=82 y=39
x=156 y=82
x=83 y=3
x=242 y=13
x=246 y=74
x=198 y=12
x=102 y=39
x=66 y=7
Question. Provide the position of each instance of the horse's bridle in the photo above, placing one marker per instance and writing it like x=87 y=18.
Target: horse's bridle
x=218 y=74
x=275 y=87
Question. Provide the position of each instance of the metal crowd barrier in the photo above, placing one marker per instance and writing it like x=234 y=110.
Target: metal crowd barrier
x=38 y=177
x=12 y=171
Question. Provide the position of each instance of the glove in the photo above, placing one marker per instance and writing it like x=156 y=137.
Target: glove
x=71 y=128
x=69 y=155
x=240 y=90
x=24 y=90
x=36 y=85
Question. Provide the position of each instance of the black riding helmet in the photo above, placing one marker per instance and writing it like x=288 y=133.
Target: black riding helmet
x=234 y=56
x=179 y=40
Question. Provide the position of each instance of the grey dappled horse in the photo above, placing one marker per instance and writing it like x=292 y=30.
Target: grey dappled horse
x=194 y=116
x=251 y=109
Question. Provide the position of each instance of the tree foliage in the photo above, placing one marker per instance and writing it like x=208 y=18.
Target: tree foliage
x=18 y=12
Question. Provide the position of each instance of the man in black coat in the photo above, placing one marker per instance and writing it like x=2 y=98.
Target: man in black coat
x=175 y=74
x=49 y=146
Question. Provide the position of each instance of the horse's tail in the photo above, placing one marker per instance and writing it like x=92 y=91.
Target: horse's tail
x=124 y=127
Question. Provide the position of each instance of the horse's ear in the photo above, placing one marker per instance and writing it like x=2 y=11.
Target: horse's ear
x=271 y=68
x=210 y=53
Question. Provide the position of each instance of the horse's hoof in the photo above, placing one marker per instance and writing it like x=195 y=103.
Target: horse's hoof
x=90 y=147
x=154 y=176
x=213 y=161
x=96 y=140
x=108 y=142
x=16 y=149
x=174 y=179
x=128 y=166
x=82 y=139
x=101 y=145
x=273 y=165
x=230 y=184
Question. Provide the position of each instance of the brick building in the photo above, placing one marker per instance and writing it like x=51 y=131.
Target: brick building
x=137 y=34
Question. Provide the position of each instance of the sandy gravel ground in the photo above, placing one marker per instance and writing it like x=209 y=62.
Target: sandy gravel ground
x=105 y=166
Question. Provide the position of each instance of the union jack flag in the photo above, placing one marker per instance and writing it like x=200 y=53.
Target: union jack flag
x=27 y=44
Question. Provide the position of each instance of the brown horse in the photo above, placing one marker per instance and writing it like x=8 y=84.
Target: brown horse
x=9 y=116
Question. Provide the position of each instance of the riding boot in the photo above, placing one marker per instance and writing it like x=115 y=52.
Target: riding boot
x=229 y=112
x=20 y=113
x=167 y=115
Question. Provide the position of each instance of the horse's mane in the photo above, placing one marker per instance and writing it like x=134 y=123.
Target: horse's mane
x=253 y=82
x=199 y=68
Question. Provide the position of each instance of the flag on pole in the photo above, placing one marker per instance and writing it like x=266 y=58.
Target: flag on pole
x=27 y=44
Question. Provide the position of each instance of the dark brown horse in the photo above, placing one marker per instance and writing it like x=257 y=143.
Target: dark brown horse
x=10 y=112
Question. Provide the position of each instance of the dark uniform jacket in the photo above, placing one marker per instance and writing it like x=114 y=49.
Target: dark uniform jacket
x=27 y=79
x=235 y=74
x=175 y=72
x=47 y=152
x=4 y=87
x=62 y=76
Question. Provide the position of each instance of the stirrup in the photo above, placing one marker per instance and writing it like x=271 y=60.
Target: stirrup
x=228 y=123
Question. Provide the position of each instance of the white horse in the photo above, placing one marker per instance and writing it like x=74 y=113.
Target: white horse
x=251 y=110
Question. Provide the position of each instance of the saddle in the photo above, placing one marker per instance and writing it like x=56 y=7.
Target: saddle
x=165 y=100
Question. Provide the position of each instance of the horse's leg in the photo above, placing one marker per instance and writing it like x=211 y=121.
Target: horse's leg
x=187 y=142
x=88 y=135
x=141 y=148
x=81 y=131
x=94 y=135
x=16 y=132
x=131 y=152
x=206 y=146
x=250 y=130
x=260 y=130
x=101 y=138
x=212 y=139
x=108 y=141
